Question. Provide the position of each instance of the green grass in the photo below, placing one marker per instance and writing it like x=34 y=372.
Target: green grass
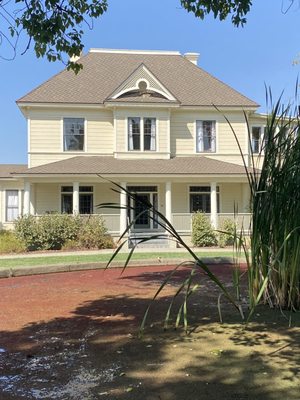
x=75 y=259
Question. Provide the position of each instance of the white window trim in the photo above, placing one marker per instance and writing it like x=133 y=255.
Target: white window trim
x=85 y=141
x=142 y=117
x=5 y=204
x=216 y=139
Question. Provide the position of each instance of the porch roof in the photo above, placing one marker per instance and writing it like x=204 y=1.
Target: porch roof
x=107 y=165
x=7 y=170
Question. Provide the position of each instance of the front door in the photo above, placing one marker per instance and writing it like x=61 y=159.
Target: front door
x=140 y=213
x=142 y=197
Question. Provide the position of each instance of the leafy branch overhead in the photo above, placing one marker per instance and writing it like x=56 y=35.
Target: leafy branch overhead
x=220 y=9
x=54 y=28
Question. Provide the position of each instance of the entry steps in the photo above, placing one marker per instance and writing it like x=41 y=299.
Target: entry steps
x=161 y=242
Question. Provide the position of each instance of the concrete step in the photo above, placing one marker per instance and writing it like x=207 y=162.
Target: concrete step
x=160 y=243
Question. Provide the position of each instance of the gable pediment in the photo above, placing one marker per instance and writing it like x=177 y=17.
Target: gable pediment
x=141 y=80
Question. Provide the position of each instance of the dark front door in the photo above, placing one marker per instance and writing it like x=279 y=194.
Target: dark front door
x=140 y=213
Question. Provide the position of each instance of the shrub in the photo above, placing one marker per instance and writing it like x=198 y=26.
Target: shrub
x=93 y=234
x=10 y=243
x=203 y=234
x=56 y=231
x=227 y=233
x=27 y=230
x=70 y=245
x=49 y=232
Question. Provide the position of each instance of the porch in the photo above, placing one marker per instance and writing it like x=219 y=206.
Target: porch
x=176 y=199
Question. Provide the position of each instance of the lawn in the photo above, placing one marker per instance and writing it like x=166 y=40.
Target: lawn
x=92 y=258
x=76 y=338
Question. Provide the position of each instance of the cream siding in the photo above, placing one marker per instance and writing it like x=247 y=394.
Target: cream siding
x=103 y=193
x=183 y=134
x=46 y=134
x=47 y=198
x=162 y=126
x=231 y=197
x=231 y=194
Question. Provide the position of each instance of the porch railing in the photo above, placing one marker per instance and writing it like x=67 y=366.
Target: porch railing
x=112 y=222
x=182 y=222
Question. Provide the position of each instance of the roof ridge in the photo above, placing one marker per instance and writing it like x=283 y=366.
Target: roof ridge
x=128 y=51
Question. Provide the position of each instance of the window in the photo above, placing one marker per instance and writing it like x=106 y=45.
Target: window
x=256 y=139
x=141 y=134
x=73 y=134
x=259 y=138
x=12 y=205
x=200 y=199
x=85 y=199
x=206 y=136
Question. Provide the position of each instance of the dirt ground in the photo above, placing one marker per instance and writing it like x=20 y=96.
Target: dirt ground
x=74 y=336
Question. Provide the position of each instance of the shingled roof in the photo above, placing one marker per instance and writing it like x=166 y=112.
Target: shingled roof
x=6 y=170
x=106 y=165
x=103 y=72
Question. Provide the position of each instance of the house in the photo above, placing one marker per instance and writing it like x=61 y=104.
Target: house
x=152 y=121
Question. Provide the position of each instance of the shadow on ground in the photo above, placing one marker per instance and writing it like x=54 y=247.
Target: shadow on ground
x=96 y=353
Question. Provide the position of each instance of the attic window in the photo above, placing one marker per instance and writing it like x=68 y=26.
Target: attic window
x=143 y=86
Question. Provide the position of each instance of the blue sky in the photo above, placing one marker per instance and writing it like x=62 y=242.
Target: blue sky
x=245 y=58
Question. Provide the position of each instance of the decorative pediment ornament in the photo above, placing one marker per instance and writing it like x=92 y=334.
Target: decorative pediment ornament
x=141 y=81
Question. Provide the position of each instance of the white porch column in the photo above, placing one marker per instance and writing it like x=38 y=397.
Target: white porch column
x=20 y=195
x=123 y=211
x=246 y=198
x=168 y=195
x=26 y=207
x=75 y=198
x=213 y=205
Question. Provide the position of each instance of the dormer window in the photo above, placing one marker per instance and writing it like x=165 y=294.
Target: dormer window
x=73 y=134
x=141 y=134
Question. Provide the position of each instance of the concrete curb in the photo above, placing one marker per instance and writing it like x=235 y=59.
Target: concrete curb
x=56 y=268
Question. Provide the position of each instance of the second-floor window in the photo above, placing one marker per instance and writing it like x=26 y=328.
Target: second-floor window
x=141 y=134
x=256 y=139
x=206 y=136
x=73 y=134
x=259 y=139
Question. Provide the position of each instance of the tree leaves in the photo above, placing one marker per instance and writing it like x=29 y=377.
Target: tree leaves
x=220 y=9
x=55 y=27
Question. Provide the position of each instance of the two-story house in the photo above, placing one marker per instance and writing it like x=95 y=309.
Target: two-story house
x=144 y=119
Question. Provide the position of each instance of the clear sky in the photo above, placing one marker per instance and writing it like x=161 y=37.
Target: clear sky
x=245 y=58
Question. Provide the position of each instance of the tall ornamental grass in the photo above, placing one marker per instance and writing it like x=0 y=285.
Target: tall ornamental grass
x=274 y=266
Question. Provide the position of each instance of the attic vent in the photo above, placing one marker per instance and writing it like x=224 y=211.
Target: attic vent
x=143 y=87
